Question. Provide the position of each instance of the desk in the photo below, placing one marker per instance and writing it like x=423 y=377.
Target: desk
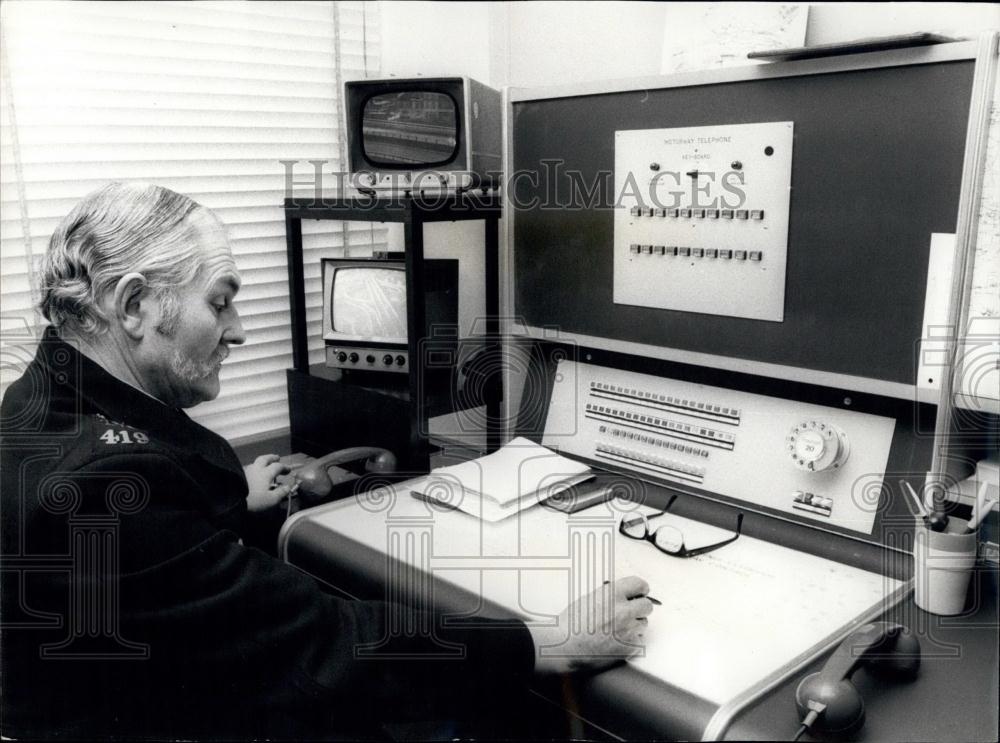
x=344 y=545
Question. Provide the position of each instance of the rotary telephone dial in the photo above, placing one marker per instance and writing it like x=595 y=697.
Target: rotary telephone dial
x=316 y=478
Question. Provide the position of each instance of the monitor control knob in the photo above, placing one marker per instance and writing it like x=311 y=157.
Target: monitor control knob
x=370 y=358
x=354 y=358
x=401 y=360
x=387 y=359
x=816 y=446
x=341 y=357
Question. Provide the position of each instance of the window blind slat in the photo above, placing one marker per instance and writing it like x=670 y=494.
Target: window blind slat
x=117 y=135
x=221 y=103
x=263 y=200
x=44 y=114
x=167 y=151
x=125 y=83
x=243 y=59
x=92 y=172
x=204 y=14
x=266 y=184
x=73 y=26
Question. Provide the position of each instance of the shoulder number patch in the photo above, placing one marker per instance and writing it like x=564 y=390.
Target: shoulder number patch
x=123 y=437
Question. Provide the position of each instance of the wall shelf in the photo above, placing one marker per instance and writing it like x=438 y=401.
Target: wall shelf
x=329 y=409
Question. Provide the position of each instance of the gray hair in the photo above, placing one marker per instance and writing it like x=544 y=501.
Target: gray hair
x=115 y=230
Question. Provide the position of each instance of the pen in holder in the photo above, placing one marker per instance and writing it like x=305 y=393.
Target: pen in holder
x=943 y=562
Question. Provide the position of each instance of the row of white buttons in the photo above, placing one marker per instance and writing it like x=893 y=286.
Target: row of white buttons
x=649 y=459
x=684 y=252
x=677 y=401
x=648 y=211
x=656 y=441
x=669 y=425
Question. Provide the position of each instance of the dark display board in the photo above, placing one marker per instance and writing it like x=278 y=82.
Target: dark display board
x=876 y=168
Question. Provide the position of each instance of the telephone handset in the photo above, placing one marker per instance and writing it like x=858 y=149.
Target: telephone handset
x=313 y=477
x=829 y=703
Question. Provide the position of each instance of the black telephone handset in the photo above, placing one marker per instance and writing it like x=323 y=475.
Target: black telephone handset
x=829 y=703
x=314 y=481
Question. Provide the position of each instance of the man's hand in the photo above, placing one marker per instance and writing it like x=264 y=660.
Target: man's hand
x=260 y=477
x=596 y=630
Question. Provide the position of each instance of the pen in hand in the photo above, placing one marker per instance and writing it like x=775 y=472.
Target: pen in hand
x=655 y=602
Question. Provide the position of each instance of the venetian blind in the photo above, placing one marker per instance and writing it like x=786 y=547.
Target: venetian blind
x=206 y=98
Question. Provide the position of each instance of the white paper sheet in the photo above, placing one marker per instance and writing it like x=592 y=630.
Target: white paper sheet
x=516 y=470
x=475 y=504
x=729 y=619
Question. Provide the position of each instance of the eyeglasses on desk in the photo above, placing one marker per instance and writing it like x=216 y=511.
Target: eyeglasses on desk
x=668 y=538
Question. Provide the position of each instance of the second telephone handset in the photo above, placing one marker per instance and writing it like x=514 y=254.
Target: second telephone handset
x=314 y=479
x=827 y=701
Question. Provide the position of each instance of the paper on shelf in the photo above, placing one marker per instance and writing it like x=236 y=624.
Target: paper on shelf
x=487 y=509
x=518 y=469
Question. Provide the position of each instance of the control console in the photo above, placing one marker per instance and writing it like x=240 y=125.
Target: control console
x=820 y=462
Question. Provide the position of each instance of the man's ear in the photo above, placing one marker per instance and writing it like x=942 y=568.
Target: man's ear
x=128 y=304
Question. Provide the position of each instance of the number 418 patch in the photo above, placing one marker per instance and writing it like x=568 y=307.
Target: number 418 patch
x=124 y=437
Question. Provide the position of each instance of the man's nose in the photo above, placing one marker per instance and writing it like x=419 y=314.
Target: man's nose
x=234 y=334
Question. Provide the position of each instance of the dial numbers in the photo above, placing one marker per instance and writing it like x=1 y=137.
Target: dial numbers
x=816 y=446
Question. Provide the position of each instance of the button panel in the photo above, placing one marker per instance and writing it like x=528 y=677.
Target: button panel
x=812 y=502
x=663 y=426
x=658 y=401
x=369 y=359
x=685 y=251
x=638 y=459
x=723 y=441
x=691 y=212
x=693 y=202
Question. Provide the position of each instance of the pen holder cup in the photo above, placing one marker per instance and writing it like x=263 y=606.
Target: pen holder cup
x=942 y=563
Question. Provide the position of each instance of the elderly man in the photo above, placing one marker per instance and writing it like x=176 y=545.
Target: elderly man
x=151 y=613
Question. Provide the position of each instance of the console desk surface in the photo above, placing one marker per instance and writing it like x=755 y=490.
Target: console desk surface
x=344 y=544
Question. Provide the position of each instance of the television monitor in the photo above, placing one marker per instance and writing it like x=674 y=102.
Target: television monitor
x=364 y=310
x=422 y=133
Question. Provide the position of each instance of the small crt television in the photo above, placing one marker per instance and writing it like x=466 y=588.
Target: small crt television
x=364 y=310
x=422 y=134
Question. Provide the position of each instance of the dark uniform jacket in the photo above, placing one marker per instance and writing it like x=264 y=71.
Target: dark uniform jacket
x=132 y=608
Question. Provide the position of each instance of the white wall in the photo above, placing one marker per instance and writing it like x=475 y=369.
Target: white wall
x=833 y=22
x=522 y=43
x=549 y=43
x=435 y=38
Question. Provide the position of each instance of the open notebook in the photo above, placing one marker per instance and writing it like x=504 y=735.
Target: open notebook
x=516 y=476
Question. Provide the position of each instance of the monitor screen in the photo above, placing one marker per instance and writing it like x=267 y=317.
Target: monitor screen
x=411 y=127
x=369 y=302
